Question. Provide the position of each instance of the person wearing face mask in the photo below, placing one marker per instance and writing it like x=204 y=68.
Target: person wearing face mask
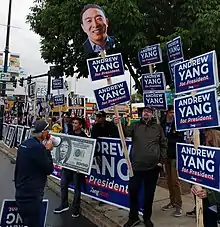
x=95 y=25
x=33 y=164
x=173 y=182
x=147 y=157
x=69 y=176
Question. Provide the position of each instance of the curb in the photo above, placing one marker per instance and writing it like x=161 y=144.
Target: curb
x=88 y=207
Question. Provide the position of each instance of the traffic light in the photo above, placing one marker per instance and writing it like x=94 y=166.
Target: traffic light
x=29 y=80
x=21 y=82
x=15 y=83
x=56 y=71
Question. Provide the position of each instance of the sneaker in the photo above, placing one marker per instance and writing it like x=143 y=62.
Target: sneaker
x=168 y=207
x=75 y=215
x=131 y=223
x=178 y=212
x=148 y=223
x=60 y=209
x=191 y=213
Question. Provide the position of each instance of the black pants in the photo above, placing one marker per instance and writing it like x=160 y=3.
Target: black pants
x=30 y=211
x=209 y=217
x=149 y=178
x=67 y=177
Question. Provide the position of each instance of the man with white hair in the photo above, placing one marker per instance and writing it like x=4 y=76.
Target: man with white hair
x=33 y=164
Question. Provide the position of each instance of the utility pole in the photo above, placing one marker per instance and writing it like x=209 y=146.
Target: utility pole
x=3 y=93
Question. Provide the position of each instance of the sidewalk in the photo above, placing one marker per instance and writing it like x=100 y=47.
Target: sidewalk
x=109 y=216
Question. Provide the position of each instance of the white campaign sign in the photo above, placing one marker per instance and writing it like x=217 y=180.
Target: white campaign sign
x=75 y=153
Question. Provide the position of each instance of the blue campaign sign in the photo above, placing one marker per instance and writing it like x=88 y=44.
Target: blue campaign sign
x=153 y=81
x=110 y=66
x=199 y=111
x=10 y=215
x=172 y=64
x=174 y=49
x=109 y=183
x=59 y=100
x=156 y=100
x=112 y=95
x=150 y=55
x=199 y=166
x=57 y=84
x=196 y=74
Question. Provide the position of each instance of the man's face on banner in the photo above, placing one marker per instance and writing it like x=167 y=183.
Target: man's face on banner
x=95 y=24
x=64 y=149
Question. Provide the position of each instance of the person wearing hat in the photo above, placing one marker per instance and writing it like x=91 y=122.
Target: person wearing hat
x=104 y=128
x=147 y=157
x=33 y=164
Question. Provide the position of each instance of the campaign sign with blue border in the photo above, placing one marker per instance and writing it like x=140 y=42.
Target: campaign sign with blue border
x=57 y=84
x=199 y=166
x=59 y=100
x=196 y=74
x=153 y=81
x=10 y=215
x=172 y=64
x=195 y=112
x=101 y=68
x=150 y=55
x=156 y=100
x=112 y=95
x=174 y=49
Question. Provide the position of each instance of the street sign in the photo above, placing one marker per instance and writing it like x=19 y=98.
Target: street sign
x=32 y=90
x=5 y=76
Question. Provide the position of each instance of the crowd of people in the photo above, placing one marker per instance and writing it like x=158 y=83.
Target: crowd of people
x=154 y=146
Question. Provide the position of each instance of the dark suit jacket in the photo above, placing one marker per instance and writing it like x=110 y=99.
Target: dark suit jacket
x=88 y=48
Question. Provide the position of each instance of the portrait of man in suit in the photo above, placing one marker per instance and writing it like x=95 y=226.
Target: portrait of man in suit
x=64 y=151
x=95 y=24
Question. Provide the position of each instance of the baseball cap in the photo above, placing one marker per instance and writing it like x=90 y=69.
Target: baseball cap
x=101 y=114
x=148 y=108
x=40 y=126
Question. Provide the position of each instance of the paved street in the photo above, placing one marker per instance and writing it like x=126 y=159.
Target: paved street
x=7 y=192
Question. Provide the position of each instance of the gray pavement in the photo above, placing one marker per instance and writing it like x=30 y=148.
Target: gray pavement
x=7 y=192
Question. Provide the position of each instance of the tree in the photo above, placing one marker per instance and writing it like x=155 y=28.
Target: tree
x=136 y=98
x=135 y=24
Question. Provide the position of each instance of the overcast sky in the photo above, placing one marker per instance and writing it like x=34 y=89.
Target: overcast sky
x=27 y=44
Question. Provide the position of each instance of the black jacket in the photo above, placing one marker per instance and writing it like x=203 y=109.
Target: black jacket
x=109 y=129
x=149 y=144
x=33 y=164
x=173 y=138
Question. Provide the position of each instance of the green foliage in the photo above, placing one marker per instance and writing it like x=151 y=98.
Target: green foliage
x=136 y=98
x=135 y=24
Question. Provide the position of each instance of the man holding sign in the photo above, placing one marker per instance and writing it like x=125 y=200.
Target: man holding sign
x=148 y=156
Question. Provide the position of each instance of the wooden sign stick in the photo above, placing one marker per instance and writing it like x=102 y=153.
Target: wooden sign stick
x=199 y=204
x=120 y=129
x=156 y=111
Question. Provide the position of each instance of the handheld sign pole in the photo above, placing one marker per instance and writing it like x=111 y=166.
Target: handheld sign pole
x=156 y=112
x=60 y=110
x=199 y=205
x=120 y=129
